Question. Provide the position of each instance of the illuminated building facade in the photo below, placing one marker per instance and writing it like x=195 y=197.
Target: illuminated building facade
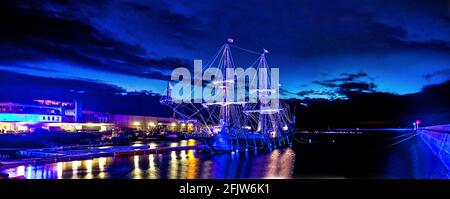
x=51 y=115
x=17 y=117
x=71 y=111
x=69 y=117
x=149 y=123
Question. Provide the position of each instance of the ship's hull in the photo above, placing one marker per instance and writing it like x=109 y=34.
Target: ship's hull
x=242 y=140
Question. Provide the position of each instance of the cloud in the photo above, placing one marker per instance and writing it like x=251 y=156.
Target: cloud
x=96 y=96
x=176 y=25
x=345 y=77
x=315 y=28
x=149 y=38
x=306 y=93
x=343 y=86
x=21 y=86
x=356 y=87
x=30 y=35
x=284 y=92
x=329 y=94
x=441 y=73
x=302 y=28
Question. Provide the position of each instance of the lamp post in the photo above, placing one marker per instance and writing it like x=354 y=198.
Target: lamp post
x=416 y=124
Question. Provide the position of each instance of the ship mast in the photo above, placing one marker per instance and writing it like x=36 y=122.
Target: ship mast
x=227 y=63
x=228 y=115
x=270 y=121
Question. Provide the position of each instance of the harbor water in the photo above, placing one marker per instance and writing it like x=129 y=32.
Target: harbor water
x=399 y=156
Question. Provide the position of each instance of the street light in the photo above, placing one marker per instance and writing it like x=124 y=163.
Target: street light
x=416 y=124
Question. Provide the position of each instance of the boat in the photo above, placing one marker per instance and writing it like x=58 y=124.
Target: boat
x=230 y=125
x=169 y=137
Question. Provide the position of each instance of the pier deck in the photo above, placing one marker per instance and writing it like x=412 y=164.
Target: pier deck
x=42 y=156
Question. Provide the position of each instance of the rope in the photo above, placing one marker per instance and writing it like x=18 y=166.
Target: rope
x=247 y=50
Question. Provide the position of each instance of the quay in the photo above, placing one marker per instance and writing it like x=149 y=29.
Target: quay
x=44 y=156
x=154 y=151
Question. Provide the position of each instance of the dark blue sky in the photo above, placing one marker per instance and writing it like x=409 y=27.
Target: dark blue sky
x=322 y=47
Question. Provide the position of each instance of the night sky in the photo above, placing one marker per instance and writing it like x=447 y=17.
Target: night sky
x=321 y=47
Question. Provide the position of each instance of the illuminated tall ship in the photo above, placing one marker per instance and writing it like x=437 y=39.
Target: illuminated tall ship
x=238 y=124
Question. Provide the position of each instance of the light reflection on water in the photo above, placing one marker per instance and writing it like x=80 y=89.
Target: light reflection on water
x=411 y=159
x=185 y=164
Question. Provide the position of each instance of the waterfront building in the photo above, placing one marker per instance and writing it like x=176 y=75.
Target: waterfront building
x=18 y=117
x=70 y=117
x=151 y=123
x=70 y=111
